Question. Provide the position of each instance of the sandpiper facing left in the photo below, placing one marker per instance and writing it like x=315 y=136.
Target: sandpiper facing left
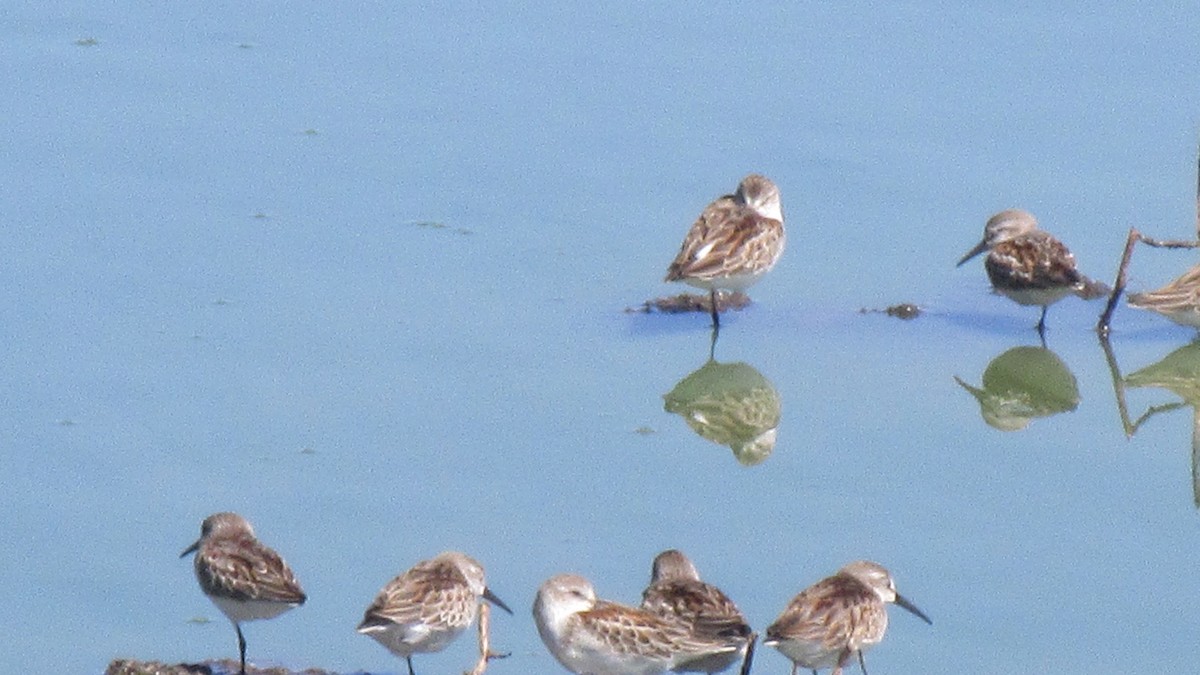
x=838 y=617
x=676 y=593
x=737 y=239
x=427 y=607
x=244 y=579
x=1027 y=264
x=589 y=636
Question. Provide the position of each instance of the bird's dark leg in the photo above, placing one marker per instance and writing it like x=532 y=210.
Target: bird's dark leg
x=862 y=663
x=716 y=319
x=241 y=649
x=410 y=668
x=843 y=659
x=1041 y=325
x=748 y=657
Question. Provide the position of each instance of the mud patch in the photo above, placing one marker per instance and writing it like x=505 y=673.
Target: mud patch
x=691 y=302
x=226 y=667
x=905 y=311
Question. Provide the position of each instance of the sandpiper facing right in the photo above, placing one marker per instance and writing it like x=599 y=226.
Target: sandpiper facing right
x=737 y=239
x=837 y=618
x=427 y=607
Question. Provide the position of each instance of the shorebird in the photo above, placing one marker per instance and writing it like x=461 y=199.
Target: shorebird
x=1025 y=263
x=244 y=579
x=1179 y=300
x=737 y=239
x=840 y=616
x=596 y=637
x=427 y=607
x=676 y=593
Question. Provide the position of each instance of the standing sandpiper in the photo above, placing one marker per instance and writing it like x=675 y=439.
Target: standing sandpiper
x=427 y=607
x=244 y=579
x=737 y=239
x=840 y=616
x=1027 y=264
x=676 y=593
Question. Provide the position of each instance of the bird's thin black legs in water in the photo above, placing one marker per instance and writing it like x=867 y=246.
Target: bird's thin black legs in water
x=241 y=649
x=410 y=668
x=1041 y=325
x=715 y=317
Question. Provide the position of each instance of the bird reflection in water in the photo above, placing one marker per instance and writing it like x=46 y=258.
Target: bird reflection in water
x=1022 y=384
x=1178 y=372
x=730 y=404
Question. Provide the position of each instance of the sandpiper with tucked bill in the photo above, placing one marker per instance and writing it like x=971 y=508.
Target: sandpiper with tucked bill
x=589 y=636
x=737 y=239
x=676 y=593
x=1026 y=264
x=838 y=617
x=244 y=579
x=427 y=607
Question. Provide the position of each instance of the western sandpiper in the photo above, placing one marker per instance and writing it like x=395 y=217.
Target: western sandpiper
x=593 y=637
x=244 y=579
x=1179 y=300
x=840 y=616
x=737 y=239
x=427 y=607
x=676 y=593
x=1026 y=264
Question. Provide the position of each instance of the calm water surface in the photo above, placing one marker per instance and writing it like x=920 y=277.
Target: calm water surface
x=359 y=274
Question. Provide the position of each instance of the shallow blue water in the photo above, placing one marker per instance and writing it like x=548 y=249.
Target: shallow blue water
x=359 y=274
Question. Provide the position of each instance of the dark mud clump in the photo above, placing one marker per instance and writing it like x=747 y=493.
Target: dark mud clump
x=692 y=302
x=905 y=310
x=227 y=667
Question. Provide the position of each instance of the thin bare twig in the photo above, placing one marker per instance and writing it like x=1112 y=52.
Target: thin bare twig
x=1119 y=285
x=1104 y=325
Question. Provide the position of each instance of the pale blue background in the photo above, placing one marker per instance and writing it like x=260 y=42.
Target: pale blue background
x=218 y=294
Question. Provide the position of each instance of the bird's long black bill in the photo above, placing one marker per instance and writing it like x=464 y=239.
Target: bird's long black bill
x=979 y=248
x=491 y=597
x=190 y=549
x=903 y=602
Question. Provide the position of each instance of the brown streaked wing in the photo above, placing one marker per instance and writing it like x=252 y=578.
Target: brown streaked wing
x=741 y=243
x=429 y=593
x=764 y=246
x=1036 y=260
x=1179 y=294
x=703 y=606
x=706 y=227
x=828 y=612
x=244 y=569
x=625 y=629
